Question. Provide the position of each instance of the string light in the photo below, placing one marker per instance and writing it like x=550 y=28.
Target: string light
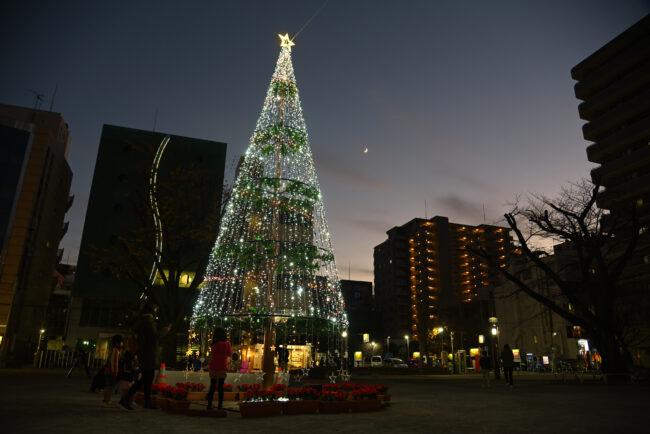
x=273 y=255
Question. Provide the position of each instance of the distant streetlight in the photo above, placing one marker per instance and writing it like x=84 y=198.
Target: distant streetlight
x=344 y=334
x=408 y=350
x=373 y=348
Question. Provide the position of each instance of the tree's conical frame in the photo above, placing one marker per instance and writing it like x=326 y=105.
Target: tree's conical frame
x=273 y=256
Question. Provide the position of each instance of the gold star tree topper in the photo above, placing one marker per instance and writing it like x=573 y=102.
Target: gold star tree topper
x=285 y=41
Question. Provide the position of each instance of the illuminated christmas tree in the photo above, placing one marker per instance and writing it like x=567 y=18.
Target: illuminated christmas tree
x=273 y=258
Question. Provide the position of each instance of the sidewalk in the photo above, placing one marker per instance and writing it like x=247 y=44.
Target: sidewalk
x=45 y=401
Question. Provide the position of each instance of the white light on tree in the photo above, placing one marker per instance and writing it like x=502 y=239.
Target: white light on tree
x=273 y=256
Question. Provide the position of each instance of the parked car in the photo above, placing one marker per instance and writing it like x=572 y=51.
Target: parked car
x=396 y=363
x=413 y=363
x=375 y=362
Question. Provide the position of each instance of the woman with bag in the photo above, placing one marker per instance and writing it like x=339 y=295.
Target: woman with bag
x=220 y=352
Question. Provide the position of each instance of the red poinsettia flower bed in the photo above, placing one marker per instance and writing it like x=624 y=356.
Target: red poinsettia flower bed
x=161 y=389
x=178 y=393
x=191 y=387
x=259 y=394
x=333 y=396
x=305 y=394
x=247 y=387
x=367 y=392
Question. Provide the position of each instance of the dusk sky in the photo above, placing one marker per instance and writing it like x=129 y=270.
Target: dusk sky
x=460 y=103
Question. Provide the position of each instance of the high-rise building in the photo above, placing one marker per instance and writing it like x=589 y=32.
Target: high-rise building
x=426 y=277
x=34 y=185
x=128 y=162
x=614 y=86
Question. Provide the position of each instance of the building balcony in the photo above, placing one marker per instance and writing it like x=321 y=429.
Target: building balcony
x=626 y=191
x=609 y=96
x=613 y=119
x=617 y=142
x=626 y=164
x=594 y=80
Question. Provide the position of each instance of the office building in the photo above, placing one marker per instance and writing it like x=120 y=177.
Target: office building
x=35 y=182
x=133 y=168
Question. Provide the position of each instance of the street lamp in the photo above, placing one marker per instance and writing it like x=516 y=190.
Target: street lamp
x=344 y=350
x=373 y=347
x=408 y=350
x=495 y=356
x=440 y=330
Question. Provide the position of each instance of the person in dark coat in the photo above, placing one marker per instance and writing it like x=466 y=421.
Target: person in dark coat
x=484 y=363
x=146 y=334
x=508 y=360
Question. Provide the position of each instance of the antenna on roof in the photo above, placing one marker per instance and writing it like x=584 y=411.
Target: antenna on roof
x=155 y=120
x=38 y=99
x=53 y=96
x=483 y=213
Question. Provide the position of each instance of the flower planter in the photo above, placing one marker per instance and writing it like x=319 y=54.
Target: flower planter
x=301 y=407
x=362 y=405
x=331 y=407
x=196 y=396
x=161 y=402
x=260 y=409
x=178 y=406
x=229 y=396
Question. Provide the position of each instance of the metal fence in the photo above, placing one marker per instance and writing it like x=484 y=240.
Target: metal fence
x=65 y=360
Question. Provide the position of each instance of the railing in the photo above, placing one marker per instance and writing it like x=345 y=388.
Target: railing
x=64 y=360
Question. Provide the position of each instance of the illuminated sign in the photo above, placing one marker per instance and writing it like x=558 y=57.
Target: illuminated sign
x=545 y=360
x=357 y=355
x=366 y=338
x=474 y=352
x=416 y=354
x=515 y=353
x=481 y=339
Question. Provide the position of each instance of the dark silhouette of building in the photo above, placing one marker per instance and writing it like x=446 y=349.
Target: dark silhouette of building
x=362 y=315
x=426 y=278
x=127 y=162
x=614 y=86
x=532 y=328
x=34 y=185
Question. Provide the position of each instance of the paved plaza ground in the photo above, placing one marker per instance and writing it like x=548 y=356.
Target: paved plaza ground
x=43 y=401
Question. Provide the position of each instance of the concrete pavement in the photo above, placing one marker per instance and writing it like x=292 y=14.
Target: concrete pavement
x=33 y=401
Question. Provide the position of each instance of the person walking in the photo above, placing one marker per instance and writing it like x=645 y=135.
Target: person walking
x=508 y=360
x=484 y=363
x=220 y=352
x=111 y=369
x=79 y=359
x=146 y=335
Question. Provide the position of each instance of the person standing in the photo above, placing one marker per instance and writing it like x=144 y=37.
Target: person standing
x=220 y=352
x=111 y=369
x=146 y=335
x=484 y=363
x=508 y=363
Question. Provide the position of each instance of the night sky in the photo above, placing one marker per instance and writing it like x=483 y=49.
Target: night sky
x=460 y=103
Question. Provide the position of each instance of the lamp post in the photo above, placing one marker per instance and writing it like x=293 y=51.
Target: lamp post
x=388 y=344
x=440 y=330
x=344 y=354
x=408 y=349
x=373 y=347
x=495 y=355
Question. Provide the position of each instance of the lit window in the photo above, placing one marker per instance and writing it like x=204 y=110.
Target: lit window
x=639 y=202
